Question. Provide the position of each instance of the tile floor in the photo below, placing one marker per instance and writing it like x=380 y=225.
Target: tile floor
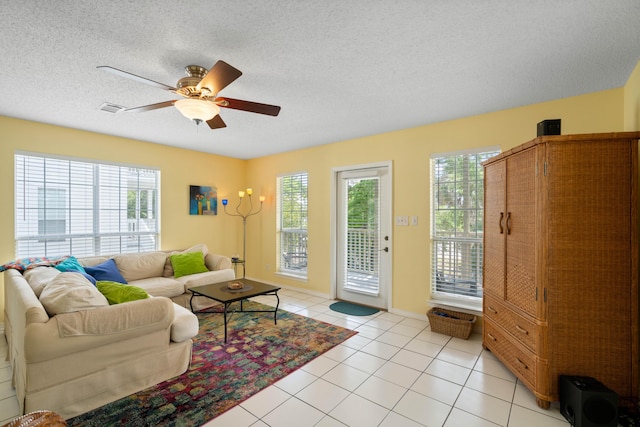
x=395 y=373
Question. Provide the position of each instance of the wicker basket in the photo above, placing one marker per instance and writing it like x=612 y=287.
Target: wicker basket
x=451 y=323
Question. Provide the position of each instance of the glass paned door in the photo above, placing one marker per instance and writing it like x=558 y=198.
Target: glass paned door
x=363 y=236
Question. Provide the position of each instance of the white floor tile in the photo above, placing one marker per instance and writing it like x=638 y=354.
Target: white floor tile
x=393 y=338
x=406 y=330
x=339 y=353
x=265 y=401
x=237 y=417
x=457 y=357
x=488 y=364
x=320 y=366
x=396 y=420
x=365 y=362
x=398 y=374
x=523 y=417
x=493 y=386
x=424 y=347
x=291 y=413
x=448 y=371
x=484 y=406
x=422 y=409
x=380 y=349
x=382 y=392
x=328 y=421
x=369 y=331
x=296 y=381
x=459 y=418
x=412 y=360
x=346 y=377
x=323 y=395
x=437 y=388
x=356 y=411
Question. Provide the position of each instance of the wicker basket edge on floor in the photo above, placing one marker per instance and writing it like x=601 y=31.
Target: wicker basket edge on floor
x=458 y=328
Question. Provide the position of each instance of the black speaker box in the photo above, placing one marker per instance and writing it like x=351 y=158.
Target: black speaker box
x=549 y=127
x=586 y=402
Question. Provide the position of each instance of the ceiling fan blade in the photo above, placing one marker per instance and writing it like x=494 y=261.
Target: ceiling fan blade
x=216 y=122
x=253 y=107
x=150 y=107
x=135 y=77
x=219 y=77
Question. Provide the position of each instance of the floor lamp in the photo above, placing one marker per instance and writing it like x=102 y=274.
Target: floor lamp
x=244 y=217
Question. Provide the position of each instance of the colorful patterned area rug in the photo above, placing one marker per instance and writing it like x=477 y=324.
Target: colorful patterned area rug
x=257 y=354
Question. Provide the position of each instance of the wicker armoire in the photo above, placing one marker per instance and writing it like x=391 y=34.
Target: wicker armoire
x=560 y=271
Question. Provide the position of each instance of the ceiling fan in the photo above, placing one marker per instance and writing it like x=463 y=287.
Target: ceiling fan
x=200 y=88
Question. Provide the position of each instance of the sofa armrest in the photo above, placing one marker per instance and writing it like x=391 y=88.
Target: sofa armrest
x=73 y=332
x=217 y=262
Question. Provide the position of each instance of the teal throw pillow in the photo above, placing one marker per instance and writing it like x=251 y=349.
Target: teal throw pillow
x=117 y=293
x=188 y=263
x=70 y=265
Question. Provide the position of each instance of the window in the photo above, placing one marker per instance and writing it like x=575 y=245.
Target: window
x=67 y=206
x=457 y=215
x=292 y=223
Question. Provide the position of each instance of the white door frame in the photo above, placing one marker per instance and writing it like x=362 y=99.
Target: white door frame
x=333 y=206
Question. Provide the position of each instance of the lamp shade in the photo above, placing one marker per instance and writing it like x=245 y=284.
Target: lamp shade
x=197 y=109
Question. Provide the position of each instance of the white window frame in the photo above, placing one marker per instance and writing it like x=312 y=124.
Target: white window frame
x=456 y=275
x=292 y=242
x=101 y=213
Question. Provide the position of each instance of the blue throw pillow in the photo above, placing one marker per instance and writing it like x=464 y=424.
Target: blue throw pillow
x=70 y=265
x=107 y=271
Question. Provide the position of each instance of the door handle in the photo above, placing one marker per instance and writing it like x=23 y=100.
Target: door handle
x=386 y=249
x=500 y=223
x=508 y=222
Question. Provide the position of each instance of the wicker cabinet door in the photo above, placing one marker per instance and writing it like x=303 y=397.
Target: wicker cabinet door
x=520 y=229
x=494 y=229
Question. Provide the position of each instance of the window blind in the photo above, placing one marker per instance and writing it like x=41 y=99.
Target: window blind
x=67 y=206
x=292 y=227
x=457 y=224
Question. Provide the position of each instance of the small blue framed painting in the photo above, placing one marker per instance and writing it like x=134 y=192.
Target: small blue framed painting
x=203 y=200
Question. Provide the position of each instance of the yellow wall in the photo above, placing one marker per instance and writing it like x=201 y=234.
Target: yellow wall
x=179 y=169
x=410 y=151
x=632 y=101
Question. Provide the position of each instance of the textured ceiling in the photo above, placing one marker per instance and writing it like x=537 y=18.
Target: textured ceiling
x=339 y=69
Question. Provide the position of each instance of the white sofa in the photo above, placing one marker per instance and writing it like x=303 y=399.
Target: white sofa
x=74 y=361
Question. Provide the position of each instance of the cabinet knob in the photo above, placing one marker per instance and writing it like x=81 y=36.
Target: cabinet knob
x=491 y=309
x=521 y=329
x=524 y=365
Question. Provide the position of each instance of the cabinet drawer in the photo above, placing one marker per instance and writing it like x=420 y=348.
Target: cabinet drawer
x=519 y=359
x=525 y=330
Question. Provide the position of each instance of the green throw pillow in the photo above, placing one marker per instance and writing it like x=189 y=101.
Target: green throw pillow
x=188 y=263
x=117 y=293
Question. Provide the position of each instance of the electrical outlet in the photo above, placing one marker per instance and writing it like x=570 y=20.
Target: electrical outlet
x=402 y=220
x=414 y=220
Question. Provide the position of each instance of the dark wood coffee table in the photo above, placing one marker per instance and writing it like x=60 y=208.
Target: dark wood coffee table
x=222 y=293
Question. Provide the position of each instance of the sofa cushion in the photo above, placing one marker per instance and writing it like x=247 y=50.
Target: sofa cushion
x=187 y=264
x=68 y=292
x=141 y=266
x=106 y=271
x=168 y=268
x=117 y=293
x=185 y=324
x=40 y=277
x=160 y=286
x=207 y=278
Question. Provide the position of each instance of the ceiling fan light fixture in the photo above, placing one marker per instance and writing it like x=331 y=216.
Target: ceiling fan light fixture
x=197 y=109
